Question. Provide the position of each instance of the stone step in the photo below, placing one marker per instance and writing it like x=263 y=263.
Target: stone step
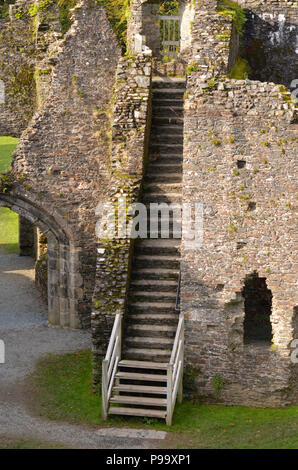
x=176 y=159
x=169 y=82
x=156 y=319
x=145 y=389
x=157 y=261
x=164 y=167
x=143 y=364
x=128 y=411
x=162 y=177
x=141 y=376
x=151 y=307
x=154 y=274
x=166 y=148
x=154 y=285
x=167 y=129
x=162 y=247
x=151 y=330
x=164 y=188
x=168 y=93
x=136 y=295
x=158 y=197
x=167 y=111
x=163 y=138
x=147 y=250
x=146 y=342
x=145 y=401
x=167 y=101
x=163 y=120
x=148 y=354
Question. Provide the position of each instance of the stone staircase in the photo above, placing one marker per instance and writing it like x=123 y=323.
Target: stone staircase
x=151 y=321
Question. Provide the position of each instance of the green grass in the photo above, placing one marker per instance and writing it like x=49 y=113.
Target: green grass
x=61 y=387
x=9 y=443
x=7 y=147
x=8 y=219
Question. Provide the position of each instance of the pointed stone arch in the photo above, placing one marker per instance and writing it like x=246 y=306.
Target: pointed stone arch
x=63 y=298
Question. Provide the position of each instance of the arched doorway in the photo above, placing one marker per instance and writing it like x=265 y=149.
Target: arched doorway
x=61 y=261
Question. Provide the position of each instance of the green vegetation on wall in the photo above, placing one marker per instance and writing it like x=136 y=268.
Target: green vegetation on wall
x=65 y=13
x=230 y=8
x=169 y=7
x=240 y=69
x=4 y=8
x=118 y=13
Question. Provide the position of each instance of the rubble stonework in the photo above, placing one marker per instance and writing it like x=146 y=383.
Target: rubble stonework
x=63 y=162
x=84 y=142
x=130 y=133
x=240 y=147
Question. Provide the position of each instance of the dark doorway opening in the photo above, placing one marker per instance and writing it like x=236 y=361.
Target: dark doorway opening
x=258 y=308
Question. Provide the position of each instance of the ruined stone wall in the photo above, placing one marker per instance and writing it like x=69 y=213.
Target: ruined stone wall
x=17 y=73
x=269 y=41
x=27 y=44
x=240 y=147
x=63 y=156
x=143 y=21
x=131 y=129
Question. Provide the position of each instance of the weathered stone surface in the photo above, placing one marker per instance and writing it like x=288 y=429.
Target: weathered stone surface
x=240 y=147
x=64 y=159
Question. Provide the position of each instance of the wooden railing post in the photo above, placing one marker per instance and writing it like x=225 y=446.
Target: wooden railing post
x=180 y=389
x=104 y=389
x=169 y=394
x=110 y=364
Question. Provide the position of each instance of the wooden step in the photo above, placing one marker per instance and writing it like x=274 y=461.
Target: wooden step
x=150 y=342
x=147 y=354
x=130 y=388
x=146 y=401
x=117 y=410
x=143 y=364
x=153 y=328
x=141 y=376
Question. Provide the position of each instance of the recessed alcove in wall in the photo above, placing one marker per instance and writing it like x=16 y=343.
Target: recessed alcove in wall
x=258 y=309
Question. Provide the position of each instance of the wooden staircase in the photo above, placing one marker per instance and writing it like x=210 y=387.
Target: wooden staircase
x=142 y=376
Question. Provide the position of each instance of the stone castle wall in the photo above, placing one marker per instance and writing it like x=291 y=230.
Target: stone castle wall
x=270 y=42
x=63 y=159
x=131 y=129
x=240 y=147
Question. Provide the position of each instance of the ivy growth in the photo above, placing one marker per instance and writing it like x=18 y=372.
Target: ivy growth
x=169 y=7
x=118 y=13
x=230 y=8
x=4 y=8
x=65 y=14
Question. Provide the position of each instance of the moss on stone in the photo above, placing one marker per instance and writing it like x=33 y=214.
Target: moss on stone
x=65 y=14
x=240 y=70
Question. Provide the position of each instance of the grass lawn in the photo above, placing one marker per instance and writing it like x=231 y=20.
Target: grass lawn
x=9 y=443
x=61 y=390
x=8 y=219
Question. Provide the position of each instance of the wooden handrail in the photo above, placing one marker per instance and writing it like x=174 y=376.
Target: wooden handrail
x=110 y=364
x=177 y=337
x=175 y=371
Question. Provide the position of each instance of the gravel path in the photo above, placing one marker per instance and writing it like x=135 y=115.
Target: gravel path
x=23 y=328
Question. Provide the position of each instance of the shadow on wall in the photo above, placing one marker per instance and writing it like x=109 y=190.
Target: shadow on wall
x=269 y=46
